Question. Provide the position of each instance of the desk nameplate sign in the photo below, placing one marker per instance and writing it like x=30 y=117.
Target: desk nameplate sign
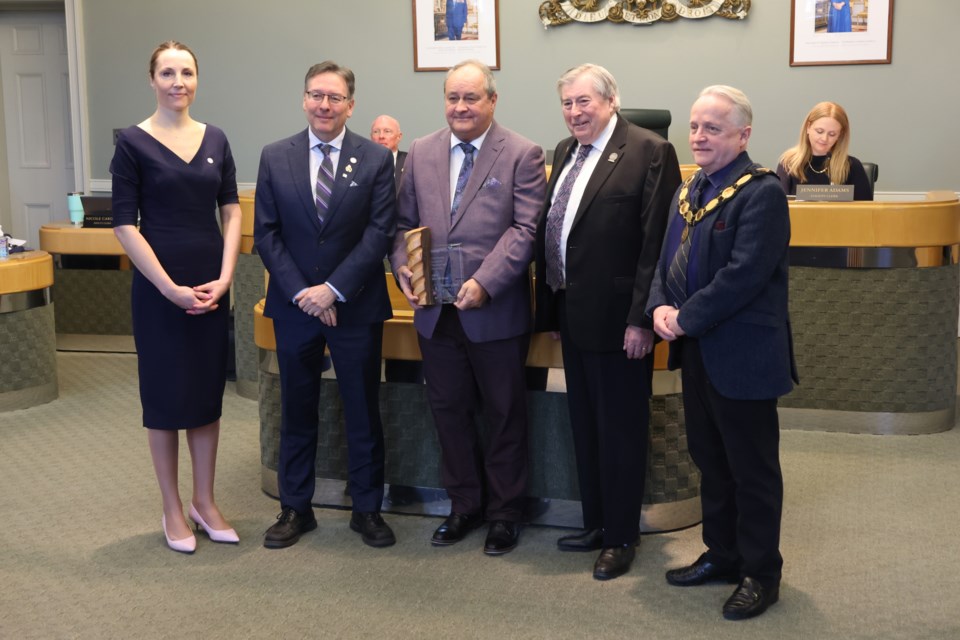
x=825 y=192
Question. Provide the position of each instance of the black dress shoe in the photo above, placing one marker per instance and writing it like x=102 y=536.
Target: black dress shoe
x=701 y=572
x=502 y=537
x=372 y=528
x=288 y=528
x=455 y=528
x=583 y=540
x=614 y=562
x=750 y=599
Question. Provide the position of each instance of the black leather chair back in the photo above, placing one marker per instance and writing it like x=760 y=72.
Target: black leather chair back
x=873 y=171
x=656 y=120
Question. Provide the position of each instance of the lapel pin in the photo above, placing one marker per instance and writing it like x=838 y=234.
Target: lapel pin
x=348 y=169
x=353 y=160
x=209 y=160
x=344 y=176
x=613 y=157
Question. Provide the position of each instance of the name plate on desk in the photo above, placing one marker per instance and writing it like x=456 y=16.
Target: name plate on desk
x=97 y=212
x=825 y=192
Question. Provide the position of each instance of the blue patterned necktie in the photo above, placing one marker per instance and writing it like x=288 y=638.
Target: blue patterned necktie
x=555 y=221
x=677 y=274
x=465 y=170
x=324 y=182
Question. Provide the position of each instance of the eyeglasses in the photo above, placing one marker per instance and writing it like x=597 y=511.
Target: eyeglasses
x=334 y=98
x=386 y=132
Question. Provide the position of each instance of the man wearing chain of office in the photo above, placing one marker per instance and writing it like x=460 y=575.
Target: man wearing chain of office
x=719 y=296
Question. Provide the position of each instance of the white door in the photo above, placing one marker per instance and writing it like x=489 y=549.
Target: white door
x=36 y=113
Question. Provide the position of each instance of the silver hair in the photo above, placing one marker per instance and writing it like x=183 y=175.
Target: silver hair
x=740 y=102
x=603 y=81
x=489 y=83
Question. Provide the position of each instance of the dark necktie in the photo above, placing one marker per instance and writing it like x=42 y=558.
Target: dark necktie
x=555 y=216
x=465 y=170
x=677 y=275
x=324 y=182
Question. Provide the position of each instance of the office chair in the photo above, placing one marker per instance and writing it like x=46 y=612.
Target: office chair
x=873 y=172
x=656 y=120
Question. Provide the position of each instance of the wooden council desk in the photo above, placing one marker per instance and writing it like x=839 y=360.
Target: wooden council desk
x=89 y=301
x=28 y=375
x=874 y=298
x=672 y=486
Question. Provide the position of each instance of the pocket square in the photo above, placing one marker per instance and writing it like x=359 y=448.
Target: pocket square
x=492 y=183
x=353 y=184
x=720 y=225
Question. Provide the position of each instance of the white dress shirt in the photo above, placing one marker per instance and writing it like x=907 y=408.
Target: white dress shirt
x=580 y=184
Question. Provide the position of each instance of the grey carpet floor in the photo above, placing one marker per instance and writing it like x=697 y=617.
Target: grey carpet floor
x=869 y=540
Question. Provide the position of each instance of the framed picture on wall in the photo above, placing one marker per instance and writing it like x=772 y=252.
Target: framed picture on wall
x=841 y=32
x=446 y=32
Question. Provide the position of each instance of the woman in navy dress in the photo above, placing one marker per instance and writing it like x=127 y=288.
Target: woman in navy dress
x=820 y=156
x=174 y=172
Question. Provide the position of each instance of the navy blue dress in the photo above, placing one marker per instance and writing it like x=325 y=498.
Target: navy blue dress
x=182 y=359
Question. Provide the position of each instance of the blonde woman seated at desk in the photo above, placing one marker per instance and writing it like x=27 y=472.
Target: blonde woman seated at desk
x=820 y=157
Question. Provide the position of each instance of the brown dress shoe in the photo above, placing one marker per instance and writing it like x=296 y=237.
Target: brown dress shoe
x=288 y=528
x=372 y=528
x=614 y=562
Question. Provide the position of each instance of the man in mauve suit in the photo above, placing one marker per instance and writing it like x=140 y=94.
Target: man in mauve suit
x=597 y=245
x=477 y=185
x=719 y=297
x=325 y=218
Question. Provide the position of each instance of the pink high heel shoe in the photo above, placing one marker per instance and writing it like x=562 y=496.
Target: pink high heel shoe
x=184 y=545
x=217 y=535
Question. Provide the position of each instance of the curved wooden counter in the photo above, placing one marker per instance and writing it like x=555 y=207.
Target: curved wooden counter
x=27 y=337
x=26 y=271
x=933 y=222
x=89 y=301
x=671 y=499
x=65 y=238
x=874 y=297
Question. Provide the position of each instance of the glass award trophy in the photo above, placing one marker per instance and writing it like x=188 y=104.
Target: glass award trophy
x=447 y=270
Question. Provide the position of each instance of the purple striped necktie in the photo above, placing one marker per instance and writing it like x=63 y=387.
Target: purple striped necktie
x=324 y=182
x=555 y=217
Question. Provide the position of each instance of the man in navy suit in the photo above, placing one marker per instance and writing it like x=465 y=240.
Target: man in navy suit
x=719 y=297
x=598 y=239
x=325 y=218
